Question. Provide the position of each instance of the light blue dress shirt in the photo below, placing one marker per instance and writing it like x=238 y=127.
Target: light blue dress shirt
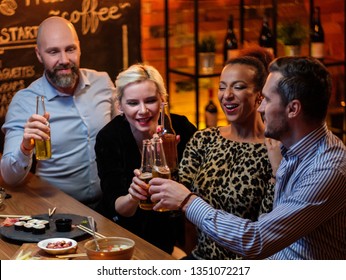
x=74 y=122
x=308 y=220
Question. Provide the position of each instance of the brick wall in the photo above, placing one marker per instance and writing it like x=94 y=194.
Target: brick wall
x=213 y=18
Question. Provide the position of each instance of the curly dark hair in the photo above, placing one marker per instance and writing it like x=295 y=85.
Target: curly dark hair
x=260 y=53
x=260 y=71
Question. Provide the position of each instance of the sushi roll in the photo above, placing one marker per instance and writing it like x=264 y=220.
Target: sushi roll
x=38 y=229
x=33 y=221
x=25 y=219
x=43 y=222
x=19 y=225
x=27 y=227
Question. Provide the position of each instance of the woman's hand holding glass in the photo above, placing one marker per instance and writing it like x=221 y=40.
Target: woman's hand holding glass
x=127 y=205
x=139 y=188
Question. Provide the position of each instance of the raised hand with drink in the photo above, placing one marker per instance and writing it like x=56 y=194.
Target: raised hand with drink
x=153 y=165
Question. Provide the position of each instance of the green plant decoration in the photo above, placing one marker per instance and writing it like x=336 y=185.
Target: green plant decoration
x=292 y=33
x=208 y=44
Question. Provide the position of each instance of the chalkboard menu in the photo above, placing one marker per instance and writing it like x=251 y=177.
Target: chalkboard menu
x=108 y=30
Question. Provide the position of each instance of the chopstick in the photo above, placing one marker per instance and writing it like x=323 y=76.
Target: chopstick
x=71 y=256
x=88 y=230
x=14 y=216
x=50 y=213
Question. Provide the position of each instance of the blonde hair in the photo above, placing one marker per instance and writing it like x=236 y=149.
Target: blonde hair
x=138 y=73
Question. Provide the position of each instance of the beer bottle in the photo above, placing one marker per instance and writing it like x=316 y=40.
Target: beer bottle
x=168 y=136
x=160 y=167
x=146 y=171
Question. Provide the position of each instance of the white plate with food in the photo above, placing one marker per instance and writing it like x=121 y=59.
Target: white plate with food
x=58 y=246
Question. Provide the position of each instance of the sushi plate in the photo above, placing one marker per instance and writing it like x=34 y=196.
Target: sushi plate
x=18 y=235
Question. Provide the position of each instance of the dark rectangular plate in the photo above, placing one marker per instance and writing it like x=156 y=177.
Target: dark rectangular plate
x=10 y=232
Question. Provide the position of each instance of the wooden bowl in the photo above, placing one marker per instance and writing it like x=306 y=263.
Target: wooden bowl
x=111 y=248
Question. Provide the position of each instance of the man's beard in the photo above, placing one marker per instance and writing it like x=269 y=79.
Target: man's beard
x=277 y=130
x=63 y=80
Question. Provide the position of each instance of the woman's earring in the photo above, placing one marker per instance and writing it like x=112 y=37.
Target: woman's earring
x=259 y=100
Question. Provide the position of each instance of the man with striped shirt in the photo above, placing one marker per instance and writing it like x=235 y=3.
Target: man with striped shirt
x=308 y=220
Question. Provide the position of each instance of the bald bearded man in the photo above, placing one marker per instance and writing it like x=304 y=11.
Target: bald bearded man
x=79 y=102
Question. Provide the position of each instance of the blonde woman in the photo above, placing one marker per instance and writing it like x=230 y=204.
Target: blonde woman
x=140 y=90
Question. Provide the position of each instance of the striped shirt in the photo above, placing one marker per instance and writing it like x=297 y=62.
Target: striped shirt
x=308 y=220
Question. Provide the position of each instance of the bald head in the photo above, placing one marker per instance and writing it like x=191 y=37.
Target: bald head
x=54 y=27
x=59 y=51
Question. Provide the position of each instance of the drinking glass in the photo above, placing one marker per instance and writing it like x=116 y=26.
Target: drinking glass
x=146 y=172
x=42 y=147
x=160 y=167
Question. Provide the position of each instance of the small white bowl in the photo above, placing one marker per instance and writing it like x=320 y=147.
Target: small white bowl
x=58 y=251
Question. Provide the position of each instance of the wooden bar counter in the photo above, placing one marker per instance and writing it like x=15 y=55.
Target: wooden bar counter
x=35 y=197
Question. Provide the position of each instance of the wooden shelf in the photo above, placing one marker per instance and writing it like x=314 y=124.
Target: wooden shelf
x=243 y=7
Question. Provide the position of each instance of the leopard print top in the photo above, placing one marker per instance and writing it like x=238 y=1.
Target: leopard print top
x=232 y=176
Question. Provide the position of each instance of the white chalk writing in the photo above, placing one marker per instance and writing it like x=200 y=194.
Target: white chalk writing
x=17 y=72
x=18 y=34
x=7 y=91
x=90 y=16
x=38 y=2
